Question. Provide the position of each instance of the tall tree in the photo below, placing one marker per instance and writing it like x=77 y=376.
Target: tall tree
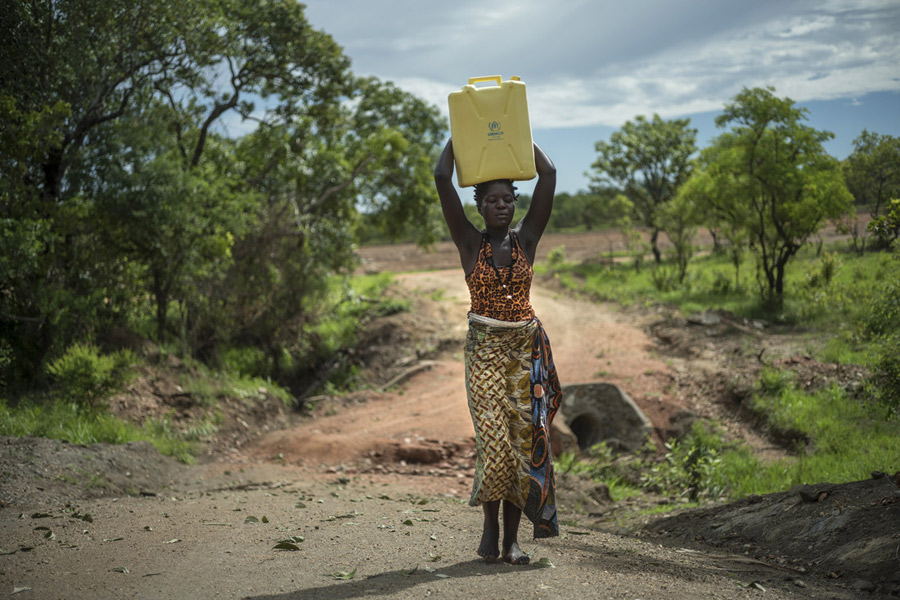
x=711 y=194
x=69 y=67
x=872 y=170
x=683 y=216
x=648 y=161
x=376 y=155
x=771 y=176
x=117 y=182
x=872 y=173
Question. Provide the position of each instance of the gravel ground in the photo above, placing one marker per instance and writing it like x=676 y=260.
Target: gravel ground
x=213 y=534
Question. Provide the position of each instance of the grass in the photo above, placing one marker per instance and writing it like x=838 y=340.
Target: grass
x=839 y=440
x=210 y=386
x=839 y=437
x=845 y=438
x=61 y=412
x=61 y=420
x=821 y=291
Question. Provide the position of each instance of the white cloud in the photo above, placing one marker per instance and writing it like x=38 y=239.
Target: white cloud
x=596 y=63
x=800 y=26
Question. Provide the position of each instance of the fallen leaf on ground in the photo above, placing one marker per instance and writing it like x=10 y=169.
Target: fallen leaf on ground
x=286 y=546
x=343 y=575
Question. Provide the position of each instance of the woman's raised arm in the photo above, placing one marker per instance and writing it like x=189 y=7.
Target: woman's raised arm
x=532 y=225
x=464 y=234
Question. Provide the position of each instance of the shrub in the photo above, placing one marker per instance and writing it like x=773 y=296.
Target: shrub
x=772 y=382
x=882 y=326
x=887 y=226
x=665 y=279
x=721 y=283
x=885 y=381
x=823 y=271
x=689 y=466
x=556 y=256
x=246 y=360
x=6 y=361
x=85 y=377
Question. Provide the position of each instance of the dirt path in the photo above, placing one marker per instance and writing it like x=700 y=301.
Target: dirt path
x=590 y=342
x=402 y=534
x=215 y=538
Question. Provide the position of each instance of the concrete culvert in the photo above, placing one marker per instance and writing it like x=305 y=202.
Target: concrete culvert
x=602 y=412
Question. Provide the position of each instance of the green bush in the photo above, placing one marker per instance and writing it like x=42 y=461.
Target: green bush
x=885 y=381
x=721 y=283
x=85 y=377
x=689 y=466
x=556 y=256
x=6 y=361
x=772 y=382
x=881 y=326
x=665 y=279
x=823 y=271
x=246 y=360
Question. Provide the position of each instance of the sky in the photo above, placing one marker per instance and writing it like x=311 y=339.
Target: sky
x=591 y=65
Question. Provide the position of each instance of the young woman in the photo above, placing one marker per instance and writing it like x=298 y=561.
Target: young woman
x=511 y=383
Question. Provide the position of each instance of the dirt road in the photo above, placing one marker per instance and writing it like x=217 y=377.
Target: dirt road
x=361 y=531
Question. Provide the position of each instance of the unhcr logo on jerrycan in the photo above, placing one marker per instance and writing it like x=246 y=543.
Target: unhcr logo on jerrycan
x=491 y=131
x=495 y=133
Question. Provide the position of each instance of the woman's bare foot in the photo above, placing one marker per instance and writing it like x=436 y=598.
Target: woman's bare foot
x=514 y=555
x=489 y=548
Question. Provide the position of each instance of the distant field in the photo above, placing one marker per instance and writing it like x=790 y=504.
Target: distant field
x=579 y=247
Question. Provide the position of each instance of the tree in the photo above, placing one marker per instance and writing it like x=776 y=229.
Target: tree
x=648 y=161
x=682 y=216
x=887 y=226
x=711 y=199
x=771 y=176
x=375 y=153
x=872 y=173
x=872 y=170
x=118 y=186
x=583 y=211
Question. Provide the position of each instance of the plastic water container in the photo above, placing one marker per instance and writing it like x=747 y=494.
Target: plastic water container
x=491 y=131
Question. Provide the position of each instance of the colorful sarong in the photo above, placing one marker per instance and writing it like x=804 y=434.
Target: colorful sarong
x=513 y=393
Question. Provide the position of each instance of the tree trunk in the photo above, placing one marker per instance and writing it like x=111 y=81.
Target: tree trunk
x=162 y=306
x=717 y=247
x=777 y=295
x=654 y=238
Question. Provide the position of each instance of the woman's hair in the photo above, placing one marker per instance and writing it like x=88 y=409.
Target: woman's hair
x=481 y=190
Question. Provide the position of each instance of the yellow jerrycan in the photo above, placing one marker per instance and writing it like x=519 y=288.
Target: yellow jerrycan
x=491 y=131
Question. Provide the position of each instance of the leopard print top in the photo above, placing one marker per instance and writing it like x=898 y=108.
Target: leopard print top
x=495 y=291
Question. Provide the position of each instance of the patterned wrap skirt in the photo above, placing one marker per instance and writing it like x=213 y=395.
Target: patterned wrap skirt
x=514 y=393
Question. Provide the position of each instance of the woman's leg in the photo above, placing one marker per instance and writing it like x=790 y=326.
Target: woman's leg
x=512 y=554
x=490 y=536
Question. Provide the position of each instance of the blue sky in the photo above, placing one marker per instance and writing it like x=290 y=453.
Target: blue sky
x=591 y=65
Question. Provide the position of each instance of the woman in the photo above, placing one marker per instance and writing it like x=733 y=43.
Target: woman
x=511 y=382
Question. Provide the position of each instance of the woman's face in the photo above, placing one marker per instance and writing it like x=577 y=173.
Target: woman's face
x=498 y=205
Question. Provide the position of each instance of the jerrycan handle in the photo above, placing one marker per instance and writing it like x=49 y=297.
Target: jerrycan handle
x=496 y=78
